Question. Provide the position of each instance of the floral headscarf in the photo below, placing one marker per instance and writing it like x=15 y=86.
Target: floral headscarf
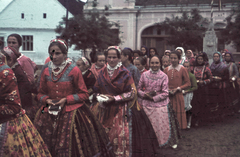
x=61 y=41
x=115 y=47
x=11 y=52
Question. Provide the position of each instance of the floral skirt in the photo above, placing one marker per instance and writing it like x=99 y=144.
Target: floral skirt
x=74 y=133
x=21 y=139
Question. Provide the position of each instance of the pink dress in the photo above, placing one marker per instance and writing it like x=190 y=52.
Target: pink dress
x=156 y=110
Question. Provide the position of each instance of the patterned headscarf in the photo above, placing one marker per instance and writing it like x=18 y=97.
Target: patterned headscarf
x=11 y=52
x=61 y=41
x=232 y=59
x=115 y=47
x=191 y=53
x=220 y=55
x=85 y=61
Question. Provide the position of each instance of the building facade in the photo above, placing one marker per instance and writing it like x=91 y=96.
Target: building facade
x=138 y=22
x=35 y=21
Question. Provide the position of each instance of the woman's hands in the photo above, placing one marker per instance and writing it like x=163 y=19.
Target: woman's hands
x=60 y=103
x=216 y=78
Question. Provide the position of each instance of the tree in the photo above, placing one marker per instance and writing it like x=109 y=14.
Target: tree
x=185 y=31
x=90 y=30
x=232 y=30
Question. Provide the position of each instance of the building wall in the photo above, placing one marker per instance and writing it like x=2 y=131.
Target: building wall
x=33 y=23
x=150 y=15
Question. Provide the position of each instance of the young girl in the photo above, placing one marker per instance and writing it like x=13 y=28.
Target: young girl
x=165 y=62
x=99 y=65
x=140 y=63
x=178 y=81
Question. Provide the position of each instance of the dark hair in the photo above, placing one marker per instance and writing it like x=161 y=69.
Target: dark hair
x=61 y=46
x=118 y=53
x=142 y=60
x=98 y=54
x=126 y=52
x=138 y=52
x=176 y=53
x=18 y=37
x=154 y=50
x=6 y=55
x=90 y=64
x=196 y=62
x=147 y=52
x=158 y=59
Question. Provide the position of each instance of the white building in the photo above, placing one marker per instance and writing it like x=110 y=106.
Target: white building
x=35 y=21
x=137 y=22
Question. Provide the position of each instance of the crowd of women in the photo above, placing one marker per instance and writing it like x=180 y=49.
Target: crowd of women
x=126 y=103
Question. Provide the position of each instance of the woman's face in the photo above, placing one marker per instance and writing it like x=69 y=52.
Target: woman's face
x=12 y=42
x=187 y=66
x=143 y=50
x=165 y=62
x=57 y=55
x=174 y=59
x=227 y=57
x=216 y=57
x=112 y=58
x=200 y=60
x=138 y=64
x=188 y=54
x=180 y=52
x=155 y=64
x=81 y=66
x=100 y=61
x=152 y=52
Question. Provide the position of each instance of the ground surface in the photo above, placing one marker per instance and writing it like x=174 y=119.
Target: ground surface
x=210 y=139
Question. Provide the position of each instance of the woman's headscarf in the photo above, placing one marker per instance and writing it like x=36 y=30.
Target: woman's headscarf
x=232 y=59
x=192 y=55
x=219 y=65
x=183 y=53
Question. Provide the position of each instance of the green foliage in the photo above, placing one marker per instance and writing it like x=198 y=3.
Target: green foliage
x=186 y=31
x=90 y=30
x=232 y=30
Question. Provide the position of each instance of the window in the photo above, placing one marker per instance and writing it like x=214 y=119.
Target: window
x=1 y=43
x=44 y=15
x=22 y=15
x=27 y=43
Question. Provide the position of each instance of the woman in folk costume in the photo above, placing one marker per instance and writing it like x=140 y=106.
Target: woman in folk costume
x=178 y=80
x=66 y=124
x=99 y=65
x=117 y=108
x=140 y=63
x=182 y=54
x=190 y=58
x=233 y=88
x=218 y=93
x=18 y=136
x=200 y=100
x=24 y=85
x=153 y=95
x=84 y=64
x=188 y=93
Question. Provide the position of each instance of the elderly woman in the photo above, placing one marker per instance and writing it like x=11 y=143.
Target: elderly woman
x=22 y=80
x=126 y=125
x=18 y=136
x=153 y=95
x=66 y=124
